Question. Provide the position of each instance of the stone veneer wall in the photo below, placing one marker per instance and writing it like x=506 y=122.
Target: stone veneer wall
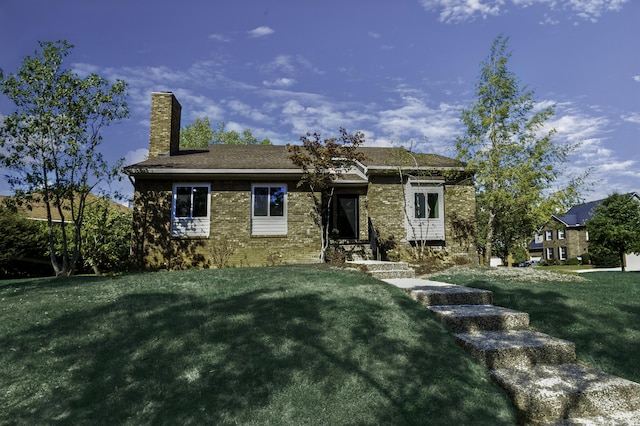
x=460 y=221
x=385 y=204
x=153 y=248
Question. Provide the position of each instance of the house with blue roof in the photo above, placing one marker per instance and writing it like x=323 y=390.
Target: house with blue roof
x=566 y=236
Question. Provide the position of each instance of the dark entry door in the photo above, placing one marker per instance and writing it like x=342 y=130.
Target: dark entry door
x=346 y=216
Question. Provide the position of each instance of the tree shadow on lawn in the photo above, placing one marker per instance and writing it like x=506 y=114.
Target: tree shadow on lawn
x=180 y=359
x=606 y=337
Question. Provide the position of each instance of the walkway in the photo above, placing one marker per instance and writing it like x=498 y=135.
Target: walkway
x=539 y=372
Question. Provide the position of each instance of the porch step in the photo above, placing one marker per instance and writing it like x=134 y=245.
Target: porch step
x=570 y=394
x=471 y=318
x=357 y=251
x=385 y=270
x=516 y=349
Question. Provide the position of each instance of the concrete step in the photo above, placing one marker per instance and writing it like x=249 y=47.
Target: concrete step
x=470 y=318
x=516 y=349
x=570 y=394
x=379 y=265
x=393 y=274
x=430 y=293
x=385 y=270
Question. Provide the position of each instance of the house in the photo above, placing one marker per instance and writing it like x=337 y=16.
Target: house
x=246 y=201
x=566 y=236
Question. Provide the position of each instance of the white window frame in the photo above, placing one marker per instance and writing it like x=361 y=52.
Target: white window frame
x=269 y=224
x=190 y=226
x=424 y=228
x=562 y=253
x=562 y=234
x=549 y=253
x=548 y=235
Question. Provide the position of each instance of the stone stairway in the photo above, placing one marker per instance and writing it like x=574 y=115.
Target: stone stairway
x=384 y=270
x=539 y=372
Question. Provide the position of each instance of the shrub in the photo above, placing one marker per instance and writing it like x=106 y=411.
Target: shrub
x=602 y=257
x=572 y=261
x=221 y=252
x=585 y=258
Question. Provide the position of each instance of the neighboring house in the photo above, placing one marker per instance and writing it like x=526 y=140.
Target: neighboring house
x=38 y=209
x=566 y=236
x=246 y=200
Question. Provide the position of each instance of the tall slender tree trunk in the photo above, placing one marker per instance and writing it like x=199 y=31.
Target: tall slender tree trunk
x=489 y=239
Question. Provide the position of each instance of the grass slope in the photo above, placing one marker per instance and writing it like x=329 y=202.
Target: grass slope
x=282 y=345
x=598 y=311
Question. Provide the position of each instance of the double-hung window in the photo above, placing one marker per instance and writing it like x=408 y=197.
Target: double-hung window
x=561 y=234
x=562 y=253
x=268 y=209
x=190 y=215
x=548 y=235
x=549 y=253
x=426 y=205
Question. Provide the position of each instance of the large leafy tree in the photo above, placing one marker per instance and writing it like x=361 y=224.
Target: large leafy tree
x=50 y=142
x=199 y=134
x=323 y=162
x=516 y=161
x=615 y=226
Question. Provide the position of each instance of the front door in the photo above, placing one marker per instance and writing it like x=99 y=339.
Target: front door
x=346 y=216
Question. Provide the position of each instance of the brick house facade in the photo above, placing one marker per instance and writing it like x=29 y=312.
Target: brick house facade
x=190 y=203
x=566 y=236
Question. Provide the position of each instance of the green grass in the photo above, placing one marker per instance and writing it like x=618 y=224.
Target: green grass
x=282 y=345
x=600 y=315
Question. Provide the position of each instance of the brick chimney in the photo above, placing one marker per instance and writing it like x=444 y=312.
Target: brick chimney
x=164 y=135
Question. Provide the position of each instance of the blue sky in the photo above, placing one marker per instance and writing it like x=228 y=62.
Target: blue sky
x=400 y=71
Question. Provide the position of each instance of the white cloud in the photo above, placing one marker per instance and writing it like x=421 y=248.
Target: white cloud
x=374 y=35
x=280 y=82
x=219 y=37
x=632 y=118
x=283 y=63
x=458 y=11
x=260 y=32
x=248 y=111
x=136 y=156
x=636 y=78
x=617 y=166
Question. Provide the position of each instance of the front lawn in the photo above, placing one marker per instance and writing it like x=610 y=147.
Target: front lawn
x=281 y=345
x=598 y=311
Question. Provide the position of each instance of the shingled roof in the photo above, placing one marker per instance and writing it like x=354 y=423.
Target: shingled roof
x=578 y=215
x=275 y=158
